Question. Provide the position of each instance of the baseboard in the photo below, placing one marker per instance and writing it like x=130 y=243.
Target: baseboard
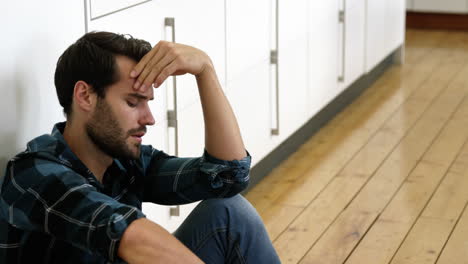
x=290 y=145
x=438 y=21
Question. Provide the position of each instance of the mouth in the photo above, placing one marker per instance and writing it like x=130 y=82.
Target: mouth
x=138 y=136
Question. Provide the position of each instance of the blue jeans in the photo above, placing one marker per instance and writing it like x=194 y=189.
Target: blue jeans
x=227 y=230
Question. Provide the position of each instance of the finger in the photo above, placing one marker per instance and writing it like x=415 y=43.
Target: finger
x=162 y=49
x=166 y=72
x=142 y=63
x=156 y=69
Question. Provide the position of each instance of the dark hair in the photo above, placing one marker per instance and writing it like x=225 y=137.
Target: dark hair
x=92 y=59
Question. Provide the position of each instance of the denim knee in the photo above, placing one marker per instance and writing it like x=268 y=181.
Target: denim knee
x=231 y=226
x=235 y=207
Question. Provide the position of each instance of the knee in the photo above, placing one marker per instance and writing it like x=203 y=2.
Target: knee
x=235 y=208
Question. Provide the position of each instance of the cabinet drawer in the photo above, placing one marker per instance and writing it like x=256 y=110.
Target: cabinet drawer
x=100 y=8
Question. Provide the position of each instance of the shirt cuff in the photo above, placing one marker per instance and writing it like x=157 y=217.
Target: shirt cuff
x=116 y=227
x=222 y=172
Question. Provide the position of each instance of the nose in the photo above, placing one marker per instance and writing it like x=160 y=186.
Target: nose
x=147 y=118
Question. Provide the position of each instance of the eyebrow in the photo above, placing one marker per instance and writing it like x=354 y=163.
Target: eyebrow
x=139 y=96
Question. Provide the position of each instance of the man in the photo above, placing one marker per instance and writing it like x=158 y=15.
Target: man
x=75 y=196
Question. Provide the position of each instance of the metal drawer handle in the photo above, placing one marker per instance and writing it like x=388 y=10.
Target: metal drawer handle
x=172 y=114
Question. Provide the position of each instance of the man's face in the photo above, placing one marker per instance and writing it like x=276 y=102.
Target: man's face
x=119 y=120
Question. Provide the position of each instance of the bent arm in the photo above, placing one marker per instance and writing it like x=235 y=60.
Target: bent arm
x=222 y=134
x=146 y=242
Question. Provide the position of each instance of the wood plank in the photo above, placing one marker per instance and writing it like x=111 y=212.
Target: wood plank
x=427 y=238
x=455 y=250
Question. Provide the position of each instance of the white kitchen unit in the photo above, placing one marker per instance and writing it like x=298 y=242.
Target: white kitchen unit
x=250 y=35
x=385 y=29
x=354 y=23
x=100 y=8
x=292 y=61
x=324 y=49
x=395 y=20
x=375 y=33
x=438 y=6
x=199 y=24
x=35 y=33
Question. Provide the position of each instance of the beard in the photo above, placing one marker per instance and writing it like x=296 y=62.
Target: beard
x=104 y=130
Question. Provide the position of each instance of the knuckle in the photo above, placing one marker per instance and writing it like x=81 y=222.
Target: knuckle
x=175 y=53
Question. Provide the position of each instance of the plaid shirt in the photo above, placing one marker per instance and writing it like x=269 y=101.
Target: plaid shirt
x=54 y=210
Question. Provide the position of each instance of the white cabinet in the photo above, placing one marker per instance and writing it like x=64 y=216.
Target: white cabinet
x=324 y=47
x=446 y=6
x=385 y=29
x=33 y=39
x=293 y=61
x=250 y=98
x=375 y=33
x=199 y=24
x=250 y=76
x=395 y=19
x=354 y=42
x=99 y=8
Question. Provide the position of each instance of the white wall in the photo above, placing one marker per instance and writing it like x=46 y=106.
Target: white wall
x=34 y=33
x=438 y=6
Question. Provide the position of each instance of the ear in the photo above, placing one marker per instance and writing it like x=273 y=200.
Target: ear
x=84 y=96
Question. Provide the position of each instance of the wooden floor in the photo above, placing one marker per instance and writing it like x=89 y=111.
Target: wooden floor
x=386 y=181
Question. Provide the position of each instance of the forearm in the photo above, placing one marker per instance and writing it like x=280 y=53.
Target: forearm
x=147 y=242
x=222 y=134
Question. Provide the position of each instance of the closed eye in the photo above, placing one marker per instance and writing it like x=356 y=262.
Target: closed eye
x=131 y=104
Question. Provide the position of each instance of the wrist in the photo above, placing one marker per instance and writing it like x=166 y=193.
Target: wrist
x=207 y=68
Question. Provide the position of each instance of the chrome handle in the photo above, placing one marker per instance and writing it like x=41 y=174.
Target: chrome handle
x=172 y=114
x=342 y=19
x=274 y=60
x=174 y=211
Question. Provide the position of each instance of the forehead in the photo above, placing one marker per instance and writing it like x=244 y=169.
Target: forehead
x=125 y=83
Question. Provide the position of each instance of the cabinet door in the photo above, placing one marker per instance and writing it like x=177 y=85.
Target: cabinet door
x=98 y=8
x=250 y=76
x=395 y=25
x=292 y=58
x=446 y=6
x=199 y=24
x=191 y=144
x=354 y=42
x=250 y=97
x=324 y=45
x=375 y=33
